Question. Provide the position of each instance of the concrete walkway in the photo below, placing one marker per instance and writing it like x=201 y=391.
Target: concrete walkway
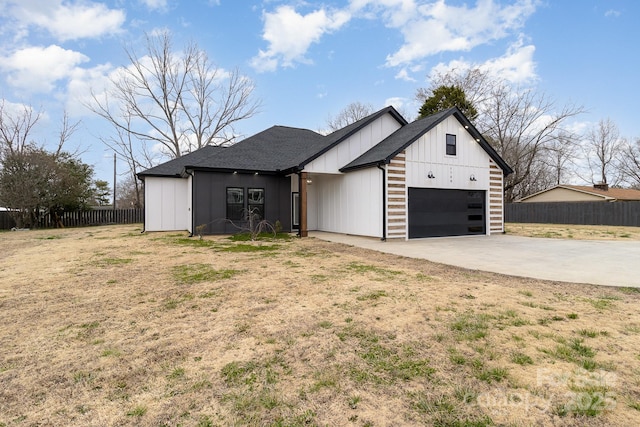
x=609 y=263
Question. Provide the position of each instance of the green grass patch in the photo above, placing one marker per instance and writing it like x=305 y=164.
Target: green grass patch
x=385 y=364
x=521 y=358
x=574 y=351
x=357 y=267
x=602 y=303
x=246 y=237
x=246 y=247
x=107 y=262
x=110 y=352
x=194 y=273
x=137 y=411
x=470 y=326
x=492 y=374
x=190 y=241
x=375 y=295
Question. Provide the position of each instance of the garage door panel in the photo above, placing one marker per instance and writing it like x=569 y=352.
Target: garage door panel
x=442 y=212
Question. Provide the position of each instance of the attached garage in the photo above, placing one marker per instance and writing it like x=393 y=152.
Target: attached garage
x=436 y=212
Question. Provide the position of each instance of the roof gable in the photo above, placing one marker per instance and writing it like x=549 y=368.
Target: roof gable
x=341 y=135
x=386 y=150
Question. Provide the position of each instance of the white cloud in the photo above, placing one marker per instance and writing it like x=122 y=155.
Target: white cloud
x=403 y=74
x=427 y=27
x=516 y=65
x=156 y=4
x=405 y=106
x=66 y=20
x=395 y=12
x=290 y=35
x=612 y=13
x=437 y=27
x=37 y=69
x=83 y=83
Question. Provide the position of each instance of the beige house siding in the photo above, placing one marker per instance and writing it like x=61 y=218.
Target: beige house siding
x=397 y=198
x=563 y=195
x=496 y=199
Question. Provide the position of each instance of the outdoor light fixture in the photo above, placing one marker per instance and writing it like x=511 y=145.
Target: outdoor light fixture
x=472 y=178
x=256 y=173
x=430 y=175
x=235 y=172
x=309 y=181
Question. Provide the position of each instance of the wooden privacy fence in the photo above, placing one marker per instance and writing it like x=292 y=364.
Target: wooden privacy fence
x=84 y=218
x=581 y=213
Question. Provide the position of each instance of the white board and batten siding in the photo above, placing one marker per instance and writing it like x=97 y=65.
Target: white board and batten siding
x=349 y=204
x=428 y=155
x=167 y=204
x=354 y=146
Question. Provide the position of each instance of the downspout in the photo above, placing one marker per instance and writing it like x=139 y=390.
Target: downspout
x=144 y=209
x=299 y=173
x=190 y=173
x=384 y=202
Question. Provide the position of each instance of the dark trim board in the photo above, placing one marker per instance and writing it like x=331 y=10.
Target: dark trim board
x=436 y=212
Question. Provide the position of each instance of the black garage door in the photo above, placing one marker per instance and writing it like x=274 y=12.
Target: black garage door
x=437 y=212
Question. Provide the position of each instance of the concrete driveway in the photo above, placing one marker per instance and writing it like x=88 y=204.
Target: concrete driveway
x=609 y=263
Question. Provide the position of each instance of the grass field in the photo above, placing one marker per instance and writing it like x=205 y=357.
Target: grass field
x=107 y=326
x=576 y=232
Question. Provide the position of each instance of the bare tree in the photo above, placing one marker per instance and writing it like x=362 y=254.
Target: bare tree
x=560 y=157
x=630 y=163
x=177 y=100
x=129 y=193
x=16 y=127
x=350 y=114
x=521 y=124
x=602 y=146
x=124 y=144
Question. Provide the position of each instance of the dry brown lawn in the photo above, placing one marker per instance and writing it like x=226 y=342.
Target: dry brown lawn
x=109 y=327
x=576 y=232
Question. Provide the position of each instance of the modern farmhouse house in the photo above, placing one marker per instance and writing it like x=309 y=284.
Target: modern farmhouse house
x=380 y=176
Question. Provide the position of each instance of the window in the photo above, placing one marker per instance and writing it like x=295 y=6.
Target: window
x=235 y=203
x=451 y=145
x=255 y=202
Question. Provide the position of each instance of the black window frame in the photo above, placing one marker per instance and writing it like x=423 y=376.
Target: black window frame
x=235 y=211
x=451 y=143
x=251 y=205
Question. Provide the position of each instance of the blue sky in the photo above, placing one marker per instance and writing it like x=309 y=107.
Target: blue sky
x=309 y=59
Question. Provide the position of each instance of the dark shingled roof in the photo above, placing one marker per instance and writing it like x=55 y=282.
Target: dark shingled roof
x=174 y=168
x=282 y=149
x=388 y=148
x=276 y=149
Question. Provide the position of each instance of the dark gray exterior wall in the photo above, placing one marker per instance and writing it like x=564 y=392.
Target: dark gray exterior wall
x=210 y=199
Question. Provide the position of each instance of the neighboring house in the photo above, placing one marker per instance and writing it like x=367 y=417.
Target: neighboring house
x=580 y=193
x=379 y=177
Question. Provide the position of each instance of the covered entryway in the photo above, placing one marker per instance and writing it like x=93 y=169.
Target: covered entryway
x=435 y=212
